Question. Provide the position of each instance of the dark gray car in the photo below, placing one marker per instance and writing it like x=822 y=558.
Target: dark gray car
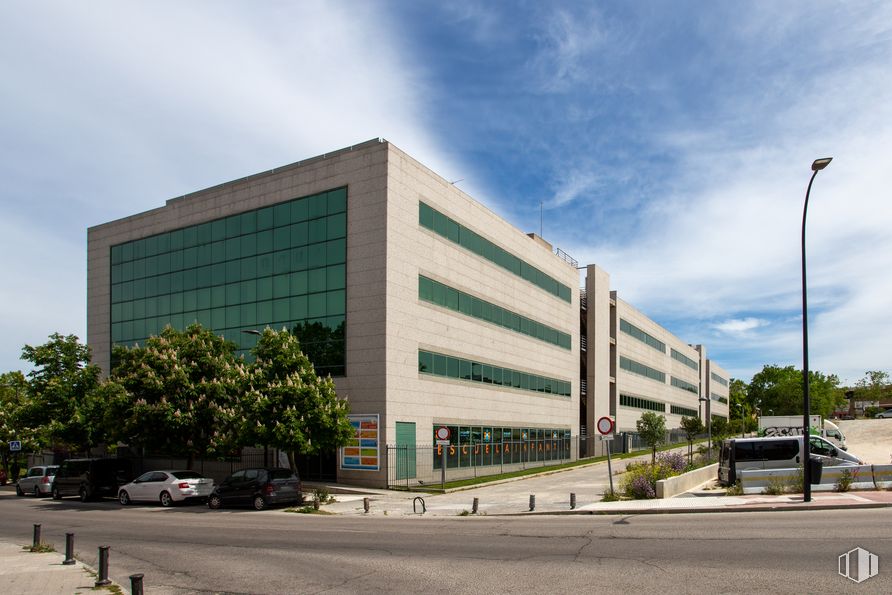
x=258 y=488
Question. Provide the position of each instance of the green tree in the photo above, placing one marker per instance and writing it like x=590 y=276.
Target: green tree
x=63 y=394
x=13 y=396
x=875 y=386
x=691 y=426
x=652 y=429
x=286 y=405
x=178 y=393
x=780 y=390
x=721 y=429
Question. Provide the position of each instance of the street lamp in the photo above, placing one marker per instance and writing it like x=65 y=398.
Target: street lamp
x=706 y=409
x=816 y=166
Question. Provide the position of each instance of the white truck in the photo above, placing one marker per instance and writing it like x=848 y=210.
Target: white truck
x=791 y=425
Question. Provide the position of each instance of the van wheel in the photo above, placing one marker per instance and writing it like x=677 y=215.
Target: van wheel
x=84 y=494
x=215 y=502
x=165 y=499
x=259 y=503
x=56 y=494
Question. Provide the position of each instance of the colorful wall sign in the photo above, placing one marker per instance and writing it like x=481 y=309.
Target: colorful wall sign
x=362 y=452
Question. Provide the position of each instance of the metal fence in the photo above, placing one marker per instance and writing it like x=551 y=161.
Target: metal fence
x=420 y=466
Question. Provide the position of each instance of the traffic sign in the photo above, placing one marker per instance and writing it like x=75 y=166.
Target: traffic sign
x=605 y=425
x=15 y=445
x=443 y=433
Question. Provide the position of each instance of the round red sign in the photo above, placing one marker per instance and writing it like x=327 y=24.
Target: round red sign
x=605 y=425
x=443 y=433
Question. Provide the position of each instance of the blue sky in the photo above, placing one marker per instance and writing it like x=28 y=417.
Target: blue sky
x=668 y=142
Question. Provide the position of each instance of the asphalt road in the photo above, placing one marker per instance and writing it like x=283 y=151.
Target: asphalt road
x=194 y=550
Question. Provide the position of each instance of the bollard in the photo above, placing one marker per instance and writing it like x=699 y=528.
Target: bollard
x=136 y=584
x=572 y=500
x=315 y=503
x=102 y=580
x=36 y=535
x=69 y=549
x=365 y=504
x=474 y=505
x=532 y=502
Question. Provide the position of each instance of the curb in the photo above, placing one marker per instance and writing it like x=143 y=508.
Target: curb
x=713 y=509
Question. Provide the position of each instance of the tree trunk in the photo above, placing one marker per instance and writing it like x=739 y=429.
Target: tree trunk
x=291 y=461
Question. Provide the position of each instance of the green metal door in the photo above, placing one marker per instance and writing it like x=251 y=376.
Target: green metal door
x=405 y=457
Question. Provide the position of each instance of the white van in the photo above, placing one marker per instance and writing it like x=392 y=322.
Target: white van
x=834 y=434
x=740 y=454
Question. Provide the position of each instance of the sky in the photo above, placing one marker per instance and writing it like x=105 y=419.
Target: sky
x=668 y=142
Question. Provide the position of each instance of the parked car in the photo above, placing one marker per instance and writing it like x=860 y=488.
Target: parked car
x=258 y=488
x=38 y=481
x=785 y=452
x=166 y=487
x=91 y=478
x=884 y=414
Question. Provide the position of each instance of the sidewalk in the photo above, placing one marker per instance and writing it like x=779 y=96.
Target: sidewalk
x=23 y=572
x=502 y=502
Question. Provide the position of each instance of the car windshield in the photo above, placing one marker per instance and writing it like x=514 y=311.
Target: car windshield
x=187 y=475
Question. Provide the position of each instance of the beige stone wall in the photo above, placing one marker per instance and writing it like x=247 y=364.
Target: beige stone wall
x=413 y=324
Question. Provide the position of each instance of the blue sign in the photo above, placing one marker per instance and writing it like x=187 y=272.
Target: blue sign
x=15 y=445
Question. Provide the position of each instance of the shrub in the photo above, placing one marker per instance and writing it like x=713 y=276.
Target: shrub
x=776 y=486
x=640 y=480
x=845 y=481
x=674 y=462
x=734 y=490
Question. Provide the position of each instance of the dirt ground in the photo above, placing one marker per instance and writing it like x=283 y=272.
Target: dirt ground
x=869 y=439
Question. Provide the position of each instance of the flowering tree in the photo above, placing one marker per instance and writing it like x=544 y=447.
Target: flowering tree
x=286 y=405
x=178 y=393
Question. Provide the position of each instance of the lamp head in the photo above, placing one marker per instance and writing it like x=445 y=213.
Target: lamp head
x=820 y=164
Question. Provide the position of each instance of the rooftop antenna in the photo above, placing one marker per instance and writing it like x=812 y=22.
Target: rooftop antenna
x=454 y=182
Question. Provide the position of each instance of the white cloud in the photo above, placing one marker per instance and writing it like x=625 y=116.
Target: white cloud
x=740 y=326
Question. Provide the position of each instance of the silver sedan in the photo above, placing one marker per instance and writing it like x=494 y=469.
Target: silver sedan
x=166 y=487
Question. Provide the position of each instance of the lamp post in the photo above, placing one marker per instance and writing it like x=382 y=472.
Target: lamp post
x=816 y=166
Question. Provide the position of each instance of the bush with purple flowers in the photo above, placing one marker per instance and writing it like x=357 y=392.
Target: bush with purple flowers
x=675 y=461
x=640 y=479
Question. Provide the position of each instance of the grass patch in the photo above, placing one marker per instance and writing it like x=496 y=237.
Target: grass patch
x=40 y=548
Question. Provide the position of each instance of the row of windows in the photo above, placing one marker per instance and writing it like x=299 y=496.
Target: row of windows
x=686 y=411
x=641 y=403
x=300 y=283
x=718 y=379
x=719 y=398
x=679 y=383
x=253 y=315
x=635 y=332
x=305 y=258
x=456 y=232
x=283 y=214
x=448 y=297
x=477 y=446
x=677 y=355
x=640 y=369
x=454 y=367
x=298 y=238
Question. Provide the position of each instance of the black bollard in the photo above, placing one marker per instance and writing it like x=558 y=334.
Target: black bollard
x=365 y=504
x=136 y=584
x=69 y=549
x=36 y=542
x=572 y=500
x=474 y=506
x=103 y=567
x=532 y=502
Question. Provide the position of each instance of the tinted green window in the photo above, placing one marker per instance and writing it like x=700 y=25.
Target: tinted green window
x=455 y=232
x=227 y=275
x=458 y=301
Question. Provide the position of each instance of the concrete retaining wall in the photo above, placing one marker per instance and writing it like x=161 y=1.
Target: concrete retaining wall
x=864 y=477
x=666 y=488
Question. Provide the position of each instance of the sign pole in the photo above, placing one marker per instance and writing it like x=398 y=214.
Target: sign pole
x=609 y=468
x=443 y=469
